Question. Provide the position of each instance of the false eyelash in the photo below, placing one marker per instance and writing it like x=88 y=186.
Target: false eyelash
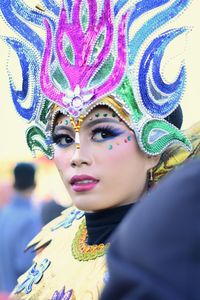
x=107 y=128
x=112 y=132
x=57 y=137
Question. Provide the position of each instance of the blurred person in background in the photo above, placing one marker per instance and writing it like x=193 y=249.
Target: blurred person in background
x=19 y=222
x=50 y=210
x=6 y=191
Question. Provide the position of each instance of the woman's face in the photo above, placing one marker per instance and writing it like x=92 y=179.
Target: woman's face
x=109 y=169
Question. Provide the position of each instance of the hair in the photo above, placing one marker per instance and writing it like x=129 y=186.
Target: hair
x=176 y=117
x=24 y=176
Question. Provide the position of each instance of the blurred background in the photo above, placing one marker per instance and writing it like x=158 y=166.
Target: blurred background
x=13 y=147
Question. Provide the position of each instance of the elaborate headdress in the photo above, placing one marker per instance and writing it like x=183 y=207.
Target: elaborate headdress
x=92 y=51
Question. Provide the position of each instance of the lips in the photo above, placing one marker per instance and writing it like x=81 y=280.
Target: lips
x=82 y=183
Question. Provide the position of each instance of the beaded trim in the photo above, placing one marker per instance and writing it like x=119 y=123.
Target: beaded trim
x=124 y=61
x=83 y=252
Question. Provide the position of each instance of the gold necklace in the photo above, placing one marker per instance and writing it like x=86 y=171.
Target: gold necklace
x=81 y=250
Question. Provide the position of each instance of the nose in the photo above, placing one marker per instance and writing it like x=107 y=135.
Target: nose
x=81 y=157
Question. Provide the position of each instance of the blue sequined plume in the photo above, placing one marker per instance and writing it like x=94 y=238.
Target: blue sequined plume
x=30 y=72
x=158 y=97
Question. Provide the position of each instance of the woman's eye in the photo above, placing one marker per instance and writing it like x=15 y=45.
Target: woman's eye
x=103 y=134
x=63 y=140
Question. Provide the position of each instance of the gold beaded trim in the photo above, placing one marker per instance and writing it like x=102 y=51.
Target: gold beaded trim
x=83 y=252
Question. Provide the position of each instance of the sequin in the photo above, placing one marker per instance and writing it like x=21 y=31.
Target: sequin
x=36 y=139
x=108 y=55
x=19 y=26
x=75 y=214
x=168 y=133
x=154 y=23
x=81 y=250
x=30 y=70
x=62 y=295
x=163 y=99
x=33 y=277
x=74 y=73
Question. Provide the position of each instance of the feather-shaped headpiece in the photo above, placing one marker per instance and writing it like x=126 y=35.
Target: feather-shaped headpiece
x=90 y=53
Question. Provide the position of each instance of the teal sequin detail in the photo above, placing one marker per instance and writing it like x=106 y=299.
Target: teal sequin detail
x=60 y=79
x=33 y=277
x=84 y=17
x=170 y=134
x=75 y=214
x=103 y=72
x=43 y=115
x=97 y=47
x=37 y=140
x=125 y=93
x=114 y=115
x=69 y=53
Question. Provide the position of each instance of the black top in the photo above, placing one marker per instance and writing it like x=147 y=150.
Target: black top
x=101 y=225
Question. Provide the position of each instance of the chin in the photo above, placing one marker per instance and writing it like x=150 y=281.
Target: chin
x=85 y=205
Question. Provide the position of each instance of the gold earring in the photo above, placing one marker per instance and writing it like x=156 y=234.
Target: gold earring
x=151 y=174
x=151 y=179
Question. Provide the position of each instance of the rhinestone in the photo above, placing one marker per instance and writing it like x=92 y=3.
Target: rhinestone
x=77 y=102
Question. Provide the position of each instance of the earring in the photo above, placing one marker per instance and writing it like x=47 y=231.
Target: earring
x=151 y=179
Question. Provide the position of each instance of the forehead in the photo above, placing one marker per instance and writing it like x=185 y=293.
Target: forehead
x=97 y=113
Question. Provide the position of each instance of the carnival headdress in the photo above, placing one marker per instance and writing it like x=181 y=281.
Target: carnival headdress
x=90 y=53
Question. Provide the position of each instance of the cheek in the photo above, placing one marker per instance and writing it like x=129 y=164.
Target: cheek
x=122 y=156
x=62 y=160
x=120 y=149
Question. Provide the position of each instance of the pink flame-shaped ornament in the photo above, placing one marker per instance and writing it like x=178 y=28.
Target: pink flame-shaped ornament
x=79 y=95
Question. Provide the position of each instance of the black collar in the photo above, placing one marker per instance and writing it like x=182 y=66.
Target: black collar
x=100 y=225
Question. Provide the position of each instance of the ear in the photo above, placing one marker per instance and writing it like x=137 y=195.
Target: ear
x=152 y=161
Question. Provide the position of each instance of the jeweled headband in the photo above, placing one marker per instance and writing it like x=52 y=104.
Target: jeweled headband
x=92 y=51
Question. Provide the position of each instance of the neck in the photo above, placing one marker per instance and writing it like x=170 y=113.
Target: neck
x=101 y=225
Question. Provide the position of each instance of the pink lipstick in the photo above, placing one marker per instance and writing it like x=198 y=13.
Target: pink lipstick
x=83 y=183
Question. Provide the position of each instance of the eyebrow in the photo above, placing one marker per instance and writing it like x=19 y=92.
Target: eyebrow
x=63 y=127
x=102 y=120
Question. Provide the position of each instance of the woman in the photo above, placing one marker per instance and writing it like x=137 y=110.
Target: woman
x=103 y=111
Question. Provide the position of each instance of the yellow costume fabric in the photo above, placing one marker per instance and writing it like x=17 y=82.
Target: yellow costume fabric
x=82 y=277
x=176 y=155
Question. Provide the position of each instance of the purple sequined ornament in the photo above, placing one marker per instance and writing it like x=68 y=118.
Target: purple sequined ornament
x=62 y=295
